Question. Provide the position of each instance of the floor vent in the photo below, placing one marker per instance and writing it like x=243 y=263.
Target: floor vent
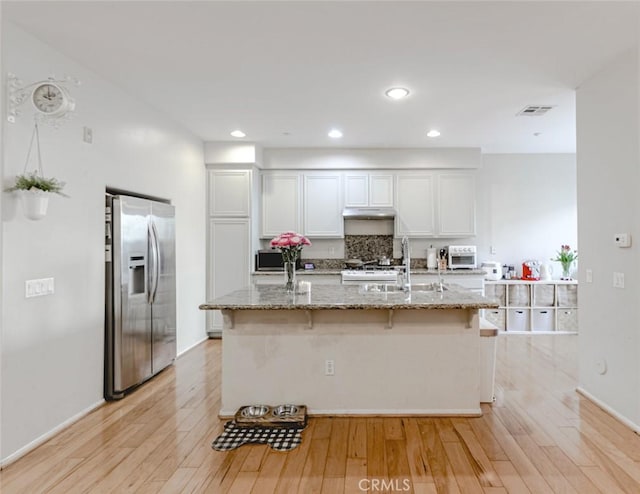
x=534 y=110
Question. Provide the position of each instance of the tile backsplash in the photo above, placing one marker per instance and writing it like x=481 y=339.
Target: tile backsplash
x=368 y=247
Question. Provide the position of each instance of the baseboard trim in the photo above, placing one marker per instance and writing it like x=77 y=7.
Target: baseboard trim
x=192 y=346
x=621 y=418
x=4 y=462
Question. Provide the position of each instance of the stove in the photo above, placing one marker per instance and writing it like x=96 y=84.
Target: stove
x=370 y=274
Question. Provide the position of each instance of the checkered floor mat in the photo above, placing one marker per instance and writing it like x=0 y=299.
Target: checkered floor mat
x=279 y=438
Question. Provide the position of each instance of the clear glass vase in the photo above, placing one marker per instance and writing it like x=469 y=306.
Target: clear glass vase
x=290 y=276
x=566 y=271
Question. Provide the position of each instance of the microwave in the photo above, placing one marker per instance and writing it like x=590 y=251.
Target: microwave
x=463 y=257
x=271 y=260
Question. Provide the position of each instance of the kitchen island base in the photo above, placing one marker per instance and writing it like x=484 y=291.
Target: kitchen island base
x=384 y=362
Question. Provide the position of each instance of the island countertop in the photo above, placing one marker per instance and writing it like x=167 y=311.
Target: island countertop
x=270 y=297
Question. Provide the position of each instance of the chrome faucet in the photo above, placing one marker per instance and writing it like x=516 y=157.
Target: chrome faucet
x=406 y=260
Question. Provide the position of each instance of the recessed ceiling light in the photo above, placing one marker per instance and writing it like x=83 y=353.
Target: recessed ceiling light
x=433 y=133
x=238 y=133
x=335 y=134
x=397 y=92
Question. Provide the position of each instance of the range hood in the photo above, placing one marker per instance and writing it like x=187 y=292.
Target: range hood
x=369 y=213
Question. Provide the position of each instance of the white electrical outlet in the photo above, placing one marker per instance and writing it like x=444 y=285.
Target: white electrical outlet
x=329 y=368
x=618 y=280
x=492 y=250
x=87 y=135
x=589 y=275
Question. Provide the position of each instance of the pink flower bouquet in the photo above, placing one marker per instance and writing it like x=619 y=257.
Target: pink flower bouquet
x=290 y=243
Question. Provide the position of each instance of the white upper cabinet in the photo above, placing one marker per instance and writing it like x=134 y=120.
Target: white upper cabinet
x=363 y=189
x=280 y=203
x=415 y=205
x=380 y=190
x=457 y=204
x=229 y=193
x=323 y=205
x=435 y=204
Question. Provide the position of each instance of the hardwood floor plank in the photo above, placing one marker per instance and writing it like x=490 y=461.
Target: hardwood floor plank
x=510 y=478
x=416 y=455
x=356 y=472
x=376 y=461
x=357 y=447
x=336 y=465
x=443 y=476
x=313 y=472
x=569 y=469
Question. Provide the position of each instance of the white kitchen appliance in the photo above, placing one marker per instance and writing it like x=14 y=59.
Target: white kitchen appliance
x=492 y=270
x=546 y=270
x=463 y=257
x=361 y=276
x=140 y=293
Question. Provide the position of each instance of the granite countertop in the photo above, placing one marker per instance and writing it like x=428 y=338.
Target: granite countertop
x=448 y=272
x=265 y=297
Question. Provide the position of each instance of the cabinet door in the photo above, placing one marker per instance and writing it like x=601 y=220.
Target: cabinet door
x=280 y=203
x=323 y=205
x=415 y=205
x=229 y=261
x=356 y=190
x=380 y=190
x=457 y=205
x=229 y=193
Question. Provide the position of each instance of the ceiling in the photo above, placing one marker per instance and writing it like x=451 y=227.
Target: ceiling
x=287 y=72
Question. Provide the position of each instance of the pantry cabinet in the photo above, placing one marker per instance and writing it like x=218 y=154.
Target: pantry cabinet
x=368 y=189
x=281 y=203
x=533 y=306
x=229 y=202
x=323 y=205
x=229 y=193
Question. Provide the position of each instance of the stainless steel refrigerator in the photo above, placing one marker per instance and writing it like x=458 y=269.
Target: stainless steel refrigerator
x=140 y=318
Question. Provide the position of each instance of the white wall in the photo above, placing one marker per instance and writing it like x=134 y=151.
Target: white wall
x=52 y=352
x=608 y=130
x=527 y=207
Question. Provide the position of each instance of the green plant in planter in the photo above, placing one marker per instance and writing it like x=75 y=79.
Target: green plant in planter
x=30 y=181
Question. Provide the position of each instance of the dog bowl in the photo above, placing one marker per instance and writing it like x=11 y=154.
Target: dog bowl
x=285 y=410
x=255 y=411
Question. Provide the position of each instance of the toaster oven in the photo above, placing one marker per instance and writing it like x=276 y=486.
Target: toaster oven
x=271 y=260
x=463 y=257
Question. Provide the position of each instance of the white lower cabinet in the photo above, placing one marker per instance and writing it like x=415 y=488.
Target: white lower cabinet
x=536 y=306
x=229 y=262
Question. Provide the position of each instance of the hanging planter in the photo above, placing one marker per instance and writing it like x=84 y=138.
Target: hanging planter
x=34 y=203
x=33 y=188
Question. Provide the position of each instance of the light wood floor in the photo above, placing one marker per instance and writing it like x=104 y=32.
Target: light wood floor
x=539 y=436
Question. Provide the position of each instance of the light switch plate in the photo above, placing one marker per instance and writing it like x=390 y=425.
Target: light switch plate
x=38 y=288
x=618 y=280
x=589 y=275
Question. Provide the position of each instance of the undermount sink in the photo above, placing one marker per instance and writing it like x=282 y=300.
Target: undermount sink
x=386 y=288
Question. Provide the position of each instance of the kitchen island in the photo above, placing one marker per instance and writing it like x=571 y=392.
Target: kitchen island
x=353 y=350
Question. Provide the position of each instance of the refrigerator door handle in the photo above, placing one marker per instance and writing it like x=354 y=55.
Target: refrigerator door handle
x=155 y=269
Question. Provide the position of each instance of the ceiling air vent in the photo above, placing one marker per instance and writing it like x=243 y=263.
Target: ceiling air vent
x=534 y=110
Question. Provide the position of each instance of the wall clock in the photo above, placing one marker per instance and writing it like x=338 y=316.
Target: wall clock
x=51 y=99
